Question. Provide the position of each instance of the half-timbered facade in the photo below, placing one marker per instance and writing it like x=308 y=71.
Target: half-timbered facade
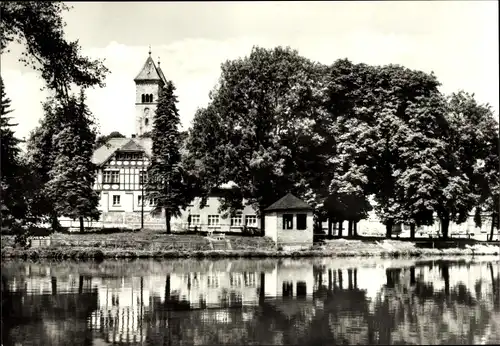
x=121 y=176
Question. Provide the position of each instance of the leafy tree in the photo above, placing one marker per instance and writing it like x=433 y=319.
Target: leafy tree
x=73 y=173
x=168 y=182
x=347 y=137
x=422 y=152
x=38 y=25
x=101 y=140
x=12 y=170
x=257 y=130
x=476 y=144
x=41 y=156
x=389 y=92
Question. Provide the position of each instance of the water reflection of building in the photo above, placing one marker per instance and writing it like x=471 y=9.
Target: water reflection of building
x=215 y=289
x=290 y=279
x=121 y=310
x=285 y=301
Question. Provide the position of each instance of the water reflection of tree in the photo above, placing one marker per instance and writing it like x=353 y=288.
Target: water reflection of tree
x=56 y=319
x=451 y=315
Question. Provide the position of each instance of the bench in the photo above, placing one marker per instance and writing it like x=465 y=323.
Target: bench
x=219 y=236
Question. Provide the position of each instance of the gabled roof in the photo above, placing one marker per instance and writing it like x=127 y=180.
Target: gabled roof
x=103 y=153
x=131 y=146
x=149 y=71
x=162 y=76
x=289 y=202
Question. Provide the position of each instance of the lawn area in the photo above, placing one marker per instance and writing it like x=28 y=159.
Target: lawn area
x=145 y=243
x=154 y=243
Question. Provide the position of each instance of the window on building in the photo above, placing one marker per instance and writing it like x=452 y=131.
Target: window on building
x=153 y=201
x=287 y=289
x=250 y=279
x=287 y=221
x=142 y=177
x=111 y=177
x=301 y=289
x=139 y=200
x=213 y=281
x=150 y=97
x=143 y=98
x=116 y=200
x=236 y=220
x=301 y=221
x=129 y=156
x=251 y=220
x=146 y=121
x=213 y=220
x=195 y=219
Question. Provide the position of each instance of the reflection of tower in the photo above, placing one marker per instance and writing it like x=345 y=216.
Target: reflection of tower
x=148 y=83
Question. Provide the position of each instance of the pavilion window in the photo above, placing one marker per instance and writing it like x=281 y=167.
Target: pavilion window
x=287 y=221
x=301 y=221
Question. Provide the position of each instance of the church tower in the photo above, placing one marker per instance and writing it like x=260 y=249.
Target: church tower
x=148 y=84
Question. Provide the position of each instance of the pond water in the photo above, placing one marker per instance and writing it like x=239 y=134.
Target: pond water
x=251 y=302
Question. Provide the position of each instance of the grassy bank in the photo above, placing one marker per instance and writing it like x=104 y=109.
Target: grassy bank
x=155 y=244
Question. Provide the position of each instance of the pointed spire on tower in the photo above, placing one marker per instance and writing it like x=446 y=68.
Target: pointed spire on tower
x=149 y=50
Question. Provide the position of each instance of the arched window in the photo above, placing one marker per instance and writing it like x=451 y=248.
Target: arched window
x=143 y=98
x=150 y=97
x=146 y=121
x=147 y=98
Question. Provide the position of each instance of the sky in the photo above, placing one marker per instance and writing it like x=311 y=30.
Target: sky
x=457 y=40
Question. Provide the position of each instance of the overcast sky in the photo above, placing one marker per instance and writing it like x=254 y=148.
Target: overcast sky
x=458 y=40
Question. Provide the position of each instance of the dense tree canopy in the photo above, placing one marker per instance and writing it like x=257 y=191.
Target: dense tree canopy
x=38 y=25
x=103 y=139
x=72 y=175
x=335 y=135
x=258 y=129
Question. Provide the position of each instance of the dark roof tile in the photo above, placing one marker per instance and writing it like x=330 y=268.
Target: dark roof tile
x=289 y=202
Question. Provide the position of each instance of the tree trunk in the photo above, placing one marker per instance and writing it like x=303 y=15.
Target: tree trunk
x=80 y=285
x=412 y=231
x=262 y=221
x=330 y=224
x=445 y=226
x=82 y=226
x=341 y=222
x=355 y=275
x=445 y=272
x=53 y=282
x=54 y=222
x=355 y=228
x=388 y=229
x=262 y=288
x=167 y=288
x=494 y=217
x=494 y=283
x=349 y=228
x=330 y=280
x=167 y=221
x=349 y=279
